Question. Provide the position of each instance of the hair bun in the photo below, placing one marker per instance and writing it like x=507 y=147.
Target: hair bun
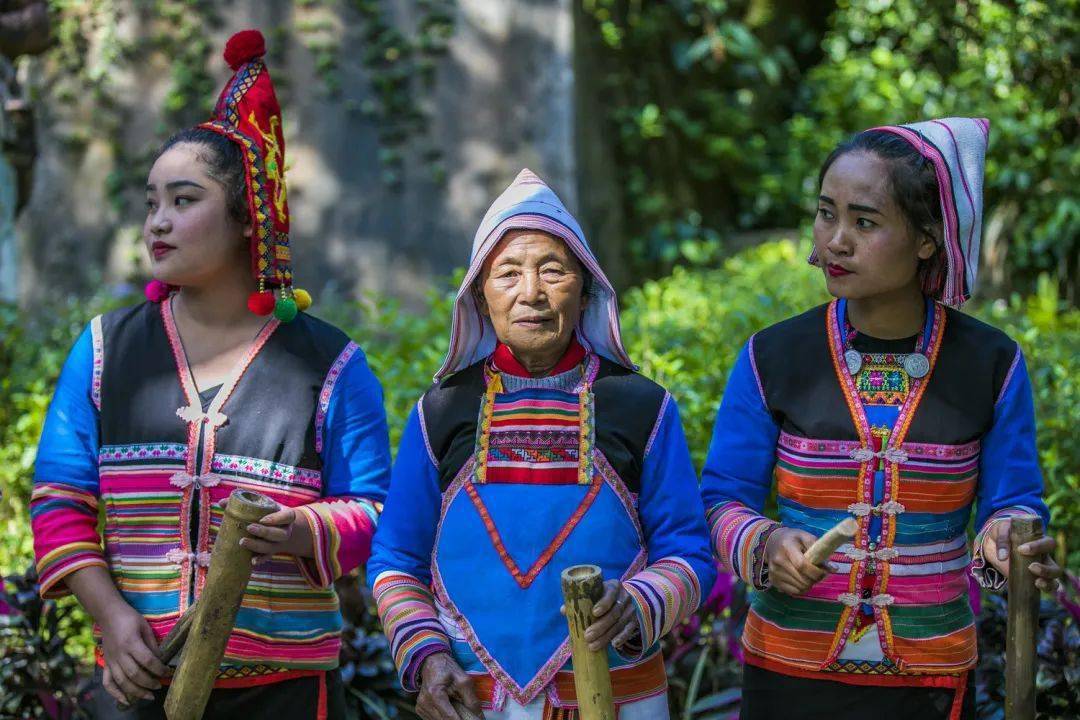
x=243 y=47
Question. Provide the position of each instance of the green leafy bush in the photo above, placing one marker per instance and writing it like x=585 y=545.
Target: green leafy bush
x=719 y=113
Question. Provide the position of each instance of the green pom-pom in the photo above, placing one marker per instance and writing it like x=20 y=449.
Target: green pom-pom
x=285 y=309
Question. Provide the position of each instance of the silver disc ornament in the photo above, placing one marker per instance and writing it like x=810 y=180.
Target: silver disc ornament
x=916 y=365
x=853 y=360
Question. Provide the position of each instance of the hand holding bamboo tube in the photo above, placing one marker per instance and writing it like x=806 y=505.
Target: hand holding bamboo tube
x=215 y=612
x=582 y=587
x=824 y=547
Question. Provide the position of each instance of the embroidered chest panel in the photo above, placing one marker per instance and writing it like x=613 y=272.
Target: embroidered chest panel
x=882 y=380
x=535 y=436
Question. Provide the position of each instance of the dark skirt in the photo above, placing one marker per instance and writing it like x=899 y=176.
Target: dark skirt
x=298 y=698
x=769 y=695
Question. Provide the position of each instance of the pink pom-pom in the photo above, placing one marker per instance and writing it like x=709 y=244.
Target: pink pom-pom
x=157 y=291
x=244 y=47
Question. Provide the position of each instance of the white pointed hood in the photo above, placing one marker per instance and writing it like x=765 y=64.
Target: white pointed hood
x=529 y=204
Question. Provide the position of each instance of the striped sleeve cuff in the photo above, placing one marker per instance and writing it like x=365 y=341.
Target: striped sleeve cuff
x=341 y=531
x=409 y=619
x=64 y=522
x=60 y=562
x=984 y=573
x=665 y=593
x=738 y=537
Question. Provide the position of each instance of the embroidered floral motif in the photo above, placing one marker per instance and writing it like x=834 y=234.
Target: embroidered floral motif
x=153 y=451
x=97 y=340
x=266 y=469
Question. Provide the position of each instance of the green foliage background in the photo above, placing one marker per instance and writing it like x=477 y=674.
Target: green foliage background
x=722 y=110
x=716 y=115
x=684 y=329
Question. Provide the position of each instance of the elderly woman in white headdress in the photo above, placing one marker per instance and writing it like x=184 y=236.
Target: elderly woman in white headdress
x=537 y=448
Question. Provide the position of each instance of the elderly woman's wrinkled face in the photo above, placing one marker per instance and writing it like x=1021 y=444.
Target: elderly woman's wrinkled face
x=531 y=288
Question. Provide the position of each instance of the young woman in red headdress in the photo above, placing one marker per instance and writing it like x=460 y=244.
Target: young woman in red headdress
x=164 y=408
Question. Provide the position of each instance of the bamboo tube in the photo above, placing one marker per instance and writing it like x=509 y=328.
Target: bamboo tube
x=173 y=643
x=170 y=645
x=1023 y=626
x=215 y=613
x=824 y=547
x=582 y=587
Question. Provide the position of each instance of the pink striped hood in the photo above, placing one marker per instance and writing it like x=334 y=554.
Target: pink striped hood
x=957 y=147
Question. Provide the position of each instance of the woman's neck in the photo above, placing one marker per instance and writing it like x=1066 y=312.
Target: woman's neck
x=221 y=304
x=539 y=364
x=889 y=316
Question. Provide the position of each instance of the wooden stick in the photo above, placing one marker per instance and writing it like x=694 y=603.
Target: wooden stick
x=1020 y=635
x=215 y=613
x=582 y=587
x=824 y=547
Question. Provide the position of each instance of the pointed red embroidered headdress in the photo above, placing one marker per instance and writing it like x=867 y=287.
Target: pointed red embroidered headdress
x=248 y=113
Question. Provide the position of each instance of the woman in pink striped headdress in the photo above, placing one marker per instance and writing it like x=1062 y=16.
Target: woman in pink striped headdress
x=890 y=406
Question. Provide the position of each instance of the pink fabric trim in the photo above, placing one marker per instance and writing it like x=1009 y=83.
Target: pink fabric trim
x=328 y=389
x=967 y=188
x=424 y=432
x=757 y=375
x=98 y=342
x=656 y=425
x=191 y=396
x=317 y=570
x=925 y=451
x=1009 y=375
x=954 y=293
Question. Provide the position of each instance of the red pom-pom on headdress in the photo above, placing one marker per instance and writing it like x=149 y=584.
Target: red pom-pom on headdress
x=244 y=47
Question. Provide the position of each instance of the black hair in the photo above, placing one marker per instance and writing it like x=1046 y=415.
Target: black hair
x=912 y=177
x=224 y=162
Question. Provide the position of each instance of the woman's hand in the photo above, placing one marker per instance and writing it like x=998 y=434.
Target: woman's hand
x=615 y=619
x=441 y=679
x=996 y=551
x=132 y=668
x=789 y=571
x=282 y=531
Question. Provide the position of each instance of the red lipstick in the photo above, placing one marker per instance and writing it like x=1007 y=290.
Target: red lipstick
x=161 y=249
x=837 y=271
